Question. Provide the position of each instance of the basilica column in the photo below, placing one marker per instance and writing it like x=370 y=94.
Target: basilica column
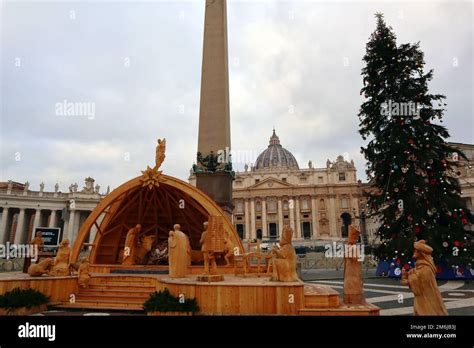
x=264 y=219
x=36 y=222
x=20 y=227
x=332 y=216
x=52 y=219
x=252 y=219
x=247 y=219
x=280 y=217
x=298 y=217
x=77 y=224
x=314 y=213
x=355 y=204
x=65 y=230
x=291 y=203
x=70 y=225
x=3 y=226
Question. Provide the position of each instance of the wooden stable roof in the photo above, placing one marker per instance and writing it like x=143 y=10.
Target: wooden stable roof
x=156 y=207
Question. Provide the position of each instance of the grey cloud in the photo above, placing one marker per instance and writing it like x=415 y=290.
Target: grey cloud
x=283 y=55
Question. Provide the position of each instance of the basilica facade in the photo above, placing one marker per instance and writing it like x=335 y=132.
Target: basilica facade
x=275 y=191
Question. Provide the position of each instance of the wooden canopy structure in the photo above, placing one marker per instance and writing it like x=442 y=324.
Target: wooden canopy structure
x=157 y=205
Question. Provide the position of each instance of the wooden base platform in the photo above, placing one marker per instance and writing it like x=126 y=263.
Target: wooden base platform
x=232 y=296
x=261 y=296
x=57 y=288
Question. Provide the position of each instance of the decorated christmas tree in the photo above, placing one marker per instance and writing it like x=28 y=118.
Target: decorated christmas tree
x=413 y=170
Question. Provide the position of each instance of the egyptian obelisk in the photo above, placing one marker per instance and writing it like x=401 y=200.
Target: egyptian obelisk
x=213 y=170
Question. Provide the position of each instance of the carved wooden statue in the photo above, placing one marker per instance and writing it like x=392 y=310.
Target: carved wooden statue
x=228 y=249
x=83 y=273
x=130 y=248
x=284 y=258
x=422 y=281
x=215 y=237
x=143 y=249
x=207 y=253
x=216 y=242
x=43 y=267
x=353 y=283
x=61 y=261
x=38 y=240
x=179 y=253
x=160 y=153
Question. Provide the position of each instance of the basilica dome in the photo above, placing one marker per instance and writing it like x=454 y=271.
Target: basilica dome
x=276 y=156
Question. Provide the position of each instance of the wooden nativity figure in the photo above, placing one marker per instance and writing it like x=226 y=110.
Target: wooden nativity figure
x=422 y=282
x=179 y=253
x=38 y=242
x=130 y=248
x=284 y=258
x=61 y=261
x=210 y=266
x=353 y=283
x=83 y=273
x=40 y=268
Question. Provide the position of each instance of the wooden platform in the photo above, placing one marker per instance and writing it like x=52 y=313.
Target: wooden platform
x=57 y=288
x=261 y=296
x=240 y=296
x=320 y=296
x=233 y=296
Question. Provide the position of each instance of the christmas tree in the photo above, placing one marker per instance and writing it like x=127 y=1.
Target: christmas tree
x=416 y=193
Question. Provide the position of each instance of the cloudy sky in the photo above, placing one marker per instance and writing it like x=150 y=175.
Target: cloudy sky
x=294 y=65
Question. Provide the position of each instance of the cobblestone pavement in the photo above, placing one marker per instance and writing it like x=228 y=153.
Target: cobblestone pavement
x=396 y=299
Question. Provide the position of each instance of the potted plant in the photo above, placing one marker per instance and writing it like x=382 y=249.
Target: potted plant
x=22 y=302
x=163 y=303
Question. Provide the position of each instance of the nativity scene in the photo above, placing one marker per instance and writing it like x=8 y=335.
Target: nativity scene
x=158 y=233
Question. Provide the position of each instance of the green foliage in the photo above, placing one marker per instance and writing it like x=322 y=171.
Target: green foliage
x=163 y=301
x=18 y=298
x=410 y=164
